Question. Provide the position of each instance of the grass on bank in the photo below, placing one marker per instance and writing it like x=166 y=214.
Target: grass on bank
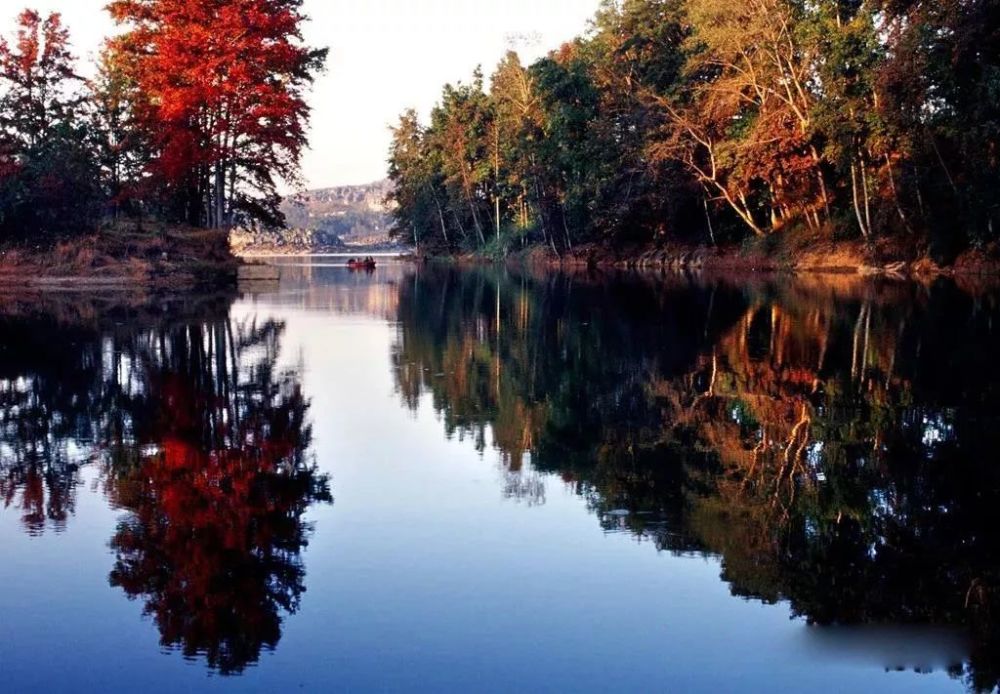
x=146 y=252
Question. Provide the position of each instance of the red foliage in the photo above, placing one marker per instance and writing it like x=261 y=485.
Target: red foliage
x=221 y=83
x=212 y=544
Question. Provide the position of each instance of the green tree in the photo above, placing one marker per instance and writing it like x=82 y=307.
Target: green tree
x=47 y=173
x=459 y=133
x=417 y=186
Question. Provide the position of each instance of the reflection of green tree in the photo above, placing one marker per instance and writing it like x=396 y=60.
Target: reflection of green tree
x=565 y=377
x=834 y=447
x=864 y=493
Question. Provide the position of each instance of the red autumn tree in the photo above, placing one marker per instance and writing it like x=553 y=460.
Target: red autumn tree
x=220 y=88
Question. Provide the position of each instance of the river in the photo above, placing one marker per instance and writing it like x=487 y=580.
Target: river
x=431 y=478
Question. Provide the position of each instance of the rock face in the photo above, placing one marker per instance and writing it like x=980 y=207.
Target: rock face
x=355 y=214
x=325 y=220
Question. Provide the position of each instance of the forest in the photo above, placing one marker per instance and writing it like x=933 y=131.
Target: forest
x=194 y=114
x=718 y=122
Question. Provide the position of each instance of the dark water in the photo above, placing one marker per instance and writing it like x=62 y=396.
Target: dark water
x=482 y=480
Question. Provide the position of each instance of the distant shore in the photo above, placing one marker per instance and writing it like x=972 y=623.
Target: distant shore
x=292 y=251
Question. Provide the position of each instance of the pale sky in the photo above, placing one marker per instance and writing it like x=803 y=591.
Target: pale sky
x=385 y=55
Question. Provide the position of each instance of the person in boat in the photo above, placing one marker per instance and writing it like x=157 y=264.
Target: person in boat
x=367 y=262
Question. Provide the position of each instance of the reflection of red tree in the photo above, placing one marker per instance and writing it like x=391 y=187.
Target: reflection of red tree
x=213 y=540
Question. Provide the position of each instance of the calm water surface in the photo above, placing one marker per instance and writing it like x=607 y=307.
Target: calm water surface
x=482 y=480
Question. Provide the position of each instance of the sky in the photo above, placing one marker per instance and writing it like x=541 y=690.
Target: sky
x=385 y=56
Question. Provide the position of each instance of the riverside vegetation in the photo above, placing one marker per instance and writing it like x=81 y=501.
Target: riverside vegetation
x=865 y=128
x=193 y=114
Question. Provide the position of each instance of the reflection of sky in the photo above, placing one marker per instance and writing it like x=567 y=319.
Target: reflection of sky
x=937 y=430
x=441 y=582
x=422 y=575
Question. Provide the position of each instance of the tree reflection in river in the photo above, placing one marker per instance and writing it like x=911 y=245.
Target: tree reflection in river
x=834 y=445
x=59 y=397
x=218 y=492
x=200 y=439
x=558 y=369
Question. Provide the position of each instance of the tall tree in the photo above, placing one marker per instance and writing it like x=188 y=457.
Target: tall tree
x=460 y=127
x=416 y=185
x=745 y=130
x=221 y=88
x=121 y=147
x=940 y=89
x=46 y=173
x=576 y=153
x=638 y=52
x=517 y=122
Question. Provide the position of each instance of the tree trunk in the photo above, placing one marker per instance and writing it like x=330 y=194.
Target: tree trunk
x=864 y=188
x=708 y=220
x=857 y=202
x=220 y=195
x=569 y=242
x=444 y=228
x=895 y=193
x=475 y=221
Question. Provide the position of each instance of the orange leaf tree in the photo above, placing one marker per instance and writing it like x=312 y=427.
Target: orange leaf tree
x=220 y=90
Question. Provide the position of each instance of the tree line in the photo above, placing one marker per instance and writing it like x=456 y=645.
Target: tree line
x=195 y=114
x=715 y=121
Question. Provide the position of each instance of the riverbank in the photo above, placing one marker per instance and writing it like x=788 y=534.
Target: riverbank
x=123 y=256
x=777 y=254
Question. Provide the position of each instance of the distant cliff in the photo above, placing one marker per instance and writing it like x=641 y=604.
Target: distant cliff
x=325 y=220
x=355 y=214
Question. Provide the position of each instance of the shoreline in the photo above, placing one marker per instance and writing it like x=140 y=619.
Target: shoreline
x=849 y=258
x=178 y=259
x=264 y=255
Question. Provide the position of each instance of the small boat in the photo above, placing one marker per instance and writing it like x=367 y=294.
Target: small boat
x=361 y=263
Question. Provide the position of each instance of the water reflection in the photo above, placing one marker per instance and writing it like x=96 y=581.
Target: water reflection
x=831 y=443
x=332 y=288
x=201 y=441
x=916 y=648
x=834 y=443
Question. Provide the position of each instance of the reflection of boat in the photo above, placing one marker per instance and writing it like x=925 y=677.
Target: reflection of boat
x=361 y=264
